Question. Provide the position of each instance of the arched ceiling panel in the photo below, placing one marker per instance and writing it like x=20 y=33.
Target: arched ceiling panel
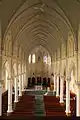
x=33 y=46
x=29 y=12
x=53 y=30
x=40 y=21
x=37 y=39
x=31 y=4
x=40 y=33
x=7 y=10
x=71 y=9
x=18 y=28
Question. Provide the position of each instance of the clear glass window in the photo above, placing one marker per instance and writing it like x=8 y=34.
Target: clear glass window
x=30 y=58
x=33 y=58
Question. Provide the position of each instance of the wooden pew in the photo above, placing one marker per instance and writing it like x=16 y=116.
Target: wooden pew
x=53 y=107
x=25 y=107
x=4 y=103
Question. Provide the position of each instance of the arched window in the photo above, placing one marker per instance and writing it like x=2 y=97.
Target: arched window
x=30 y=58
x=45 y=59
x=33 y=58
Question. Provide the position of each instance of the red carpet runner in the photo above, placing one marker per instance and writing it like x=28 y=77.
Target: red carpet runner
x=25 y=107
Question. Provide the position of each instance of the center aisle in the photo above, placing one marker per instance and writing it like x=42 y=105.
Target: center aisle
x=39 y=105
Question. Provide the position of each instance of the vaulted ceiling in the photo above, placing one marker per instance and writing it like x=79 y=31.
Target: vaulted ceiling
x=39 y=22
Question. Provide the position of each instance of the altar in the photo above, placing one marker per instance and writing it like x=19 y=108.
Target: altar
x=38 y=87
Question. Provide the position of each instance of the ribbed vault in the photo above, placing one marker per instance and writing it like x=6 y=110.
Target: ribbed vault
x=42 y=22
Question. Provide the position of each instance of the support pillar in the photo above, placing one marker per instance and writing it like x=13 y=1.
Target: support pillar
x=24 y=78
x=0 y=68
x=61 y=89
x=16 y=89
x=9 y=96
x=20 y=85
x=22 y=82
x=68 y=97
x=54 y=83
x=78 y=101
x=26 y=75
x=57 y=88
x=0 y=99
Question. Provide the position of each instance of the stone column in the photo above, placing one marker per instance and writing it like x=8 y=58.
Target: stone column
x=68 y=96
x=0 y=99
x=61 y=89
x=78 y=100
x=16 y=89
x=54 y=83
x=26 y=75
x=20 y=85
x=22 y=81
x=0 y=68
x=9 y=96
x=57 y=88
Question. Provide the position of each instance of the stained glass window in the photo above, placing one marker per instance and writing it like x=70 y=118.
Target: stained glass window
x=45 y=59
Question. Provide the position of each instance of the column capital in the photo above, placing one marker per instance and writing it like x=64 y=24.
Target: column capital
x=78 y=84
x=10 y=78
x=0 y=52
x=58 y=74
x=55 y=74
x=1 y=82
x=16 y=76
x=22 y=73
x=62 y=77
x=68 y=78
